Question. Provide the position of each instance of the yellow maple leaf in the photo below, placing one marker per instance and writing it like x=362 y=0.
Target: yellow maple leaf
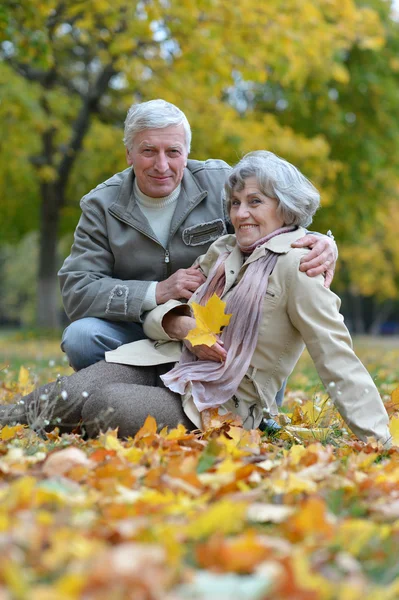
x=395 y=396
x=394 y=429
x=23 y=376
x=209 y=321
x=8 y=433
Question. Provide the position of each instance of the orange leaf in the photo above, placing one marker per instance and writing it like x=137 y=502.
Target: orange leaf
x=241 y=554
x=148 y=429
x=310 y=520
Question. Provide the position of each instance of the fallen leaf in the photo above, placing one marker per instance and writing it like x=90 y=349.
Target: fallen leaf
x=8 y=433
x=239 y=555
x=259 y=512
x=394 y=429
x=59 y=463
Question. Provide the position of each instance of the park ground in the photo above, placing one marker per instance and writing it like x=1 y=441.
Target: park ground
x=308 y=514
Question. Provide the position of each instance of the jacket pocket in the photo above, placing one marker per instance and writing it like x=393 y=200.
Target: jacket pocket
x=204 y=233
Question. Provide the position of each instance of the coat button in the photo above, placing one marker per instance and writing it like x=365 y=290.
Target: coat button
x=119 y=293
x=232 y=272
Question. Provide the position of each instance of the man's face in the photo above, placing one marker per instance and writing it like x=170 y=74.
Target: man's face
x=158 y=157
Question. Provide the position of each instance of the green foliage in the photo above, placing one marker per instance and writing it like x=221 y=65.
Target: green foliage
x=18 y=268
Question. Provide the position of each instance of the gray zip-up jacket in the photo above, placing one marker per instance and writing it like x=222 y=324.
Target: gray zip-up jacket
x=115 y=255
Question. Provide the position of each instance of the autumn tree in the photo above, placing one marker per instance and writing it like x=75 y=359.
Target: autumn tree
x=356 y=112
x=72 y=69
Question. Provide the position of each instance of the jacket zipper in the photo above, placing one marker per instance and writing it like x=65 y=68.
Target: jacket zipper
x=182 y=217
x=167 y=253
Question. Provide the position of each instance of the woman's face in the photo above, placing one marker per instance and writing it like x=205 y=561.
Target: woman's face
x=253 y=214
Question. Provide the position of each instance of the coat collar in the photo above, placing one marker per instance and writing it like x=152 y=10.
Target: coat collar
x=126 y=208
x=281 y=244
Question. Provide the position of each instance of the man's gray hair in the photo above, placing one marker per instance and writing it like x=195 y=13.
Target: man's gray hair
x=298 y=199
x=154 y=114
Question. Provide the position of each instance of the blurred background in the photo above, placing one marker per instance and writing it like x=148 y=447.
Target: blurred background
x=316 y=81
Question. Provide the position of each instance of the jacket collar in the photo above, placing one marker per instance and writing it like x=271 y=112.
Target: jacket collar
x=281 y=244
x=126 y=208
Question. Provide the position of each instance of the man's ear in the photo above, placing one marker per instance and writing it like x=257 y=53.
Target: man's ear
x=129 y=159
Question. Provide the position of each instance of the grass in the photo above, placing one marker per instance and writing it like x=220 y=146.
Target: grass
x=380 y=355
x=43 y=355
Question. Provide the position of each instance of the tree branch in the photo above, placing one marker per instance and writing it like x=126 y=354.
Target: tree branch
x=80 y=127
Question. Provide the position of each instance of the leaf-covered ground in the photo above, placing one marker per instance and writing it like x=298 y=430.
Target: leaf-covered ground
x=309 y=514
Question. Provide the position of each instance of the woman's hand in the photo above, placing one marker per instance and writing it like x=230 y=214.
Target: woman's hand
x=178 y=325
x=216 y=352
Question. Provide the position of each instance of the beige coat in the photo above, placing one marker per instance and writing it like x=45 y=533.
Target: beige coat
x=297 y=311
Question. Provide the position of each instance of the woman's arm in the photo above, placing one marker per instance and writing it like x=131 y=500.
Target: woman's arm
x=314 y=312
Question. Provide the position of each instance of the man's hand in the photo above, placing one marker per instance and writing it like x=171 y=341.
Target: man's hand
x=321 y=259
x=179 y=285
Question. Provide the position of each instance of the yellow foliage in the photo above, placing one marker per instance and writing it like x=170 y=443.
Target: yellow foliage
x=47 y=174
x=210 y=319
x=340 y=73
x=8 y=433
x=394 y=429
x=224 y=517
x=23 y=377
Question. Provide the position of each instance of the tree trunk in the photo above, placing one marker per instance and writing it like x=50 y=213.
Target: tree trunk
x=357 y=311
x=48 y=316
x=53 y=192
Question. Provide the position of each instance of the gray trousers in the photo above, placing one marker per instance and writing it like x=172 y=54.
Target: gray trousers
x=101 y=396
x=85 y=342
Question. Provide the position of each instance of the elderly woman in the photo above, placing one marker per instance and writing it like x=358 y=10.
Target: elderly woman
x=276 y=311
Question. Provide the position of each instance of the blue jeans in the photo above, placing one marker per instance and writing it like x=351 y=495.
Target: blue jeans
x=85 y=341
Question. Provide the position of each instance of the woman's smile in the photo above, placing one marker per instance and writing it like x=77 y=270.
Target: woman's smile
x=253 y=214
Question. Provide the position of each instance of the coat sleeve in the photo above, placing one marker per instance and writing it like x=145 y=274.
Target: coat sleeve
x=87 y=285
x=152 y=325
x=153 y=319
x=314 y=312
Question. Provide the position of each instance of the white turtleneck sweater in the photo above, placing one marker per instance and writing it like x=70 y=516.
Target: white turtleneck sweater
x=159 y=213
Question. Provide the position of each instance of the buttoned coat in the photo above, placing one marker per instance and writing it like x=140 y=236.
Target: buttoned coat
x=116 y=255
x=297 y=311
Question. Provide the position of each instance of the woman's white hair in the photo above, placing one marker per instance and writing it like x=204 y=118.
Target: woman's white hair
x=298 y=199
x=154 y=114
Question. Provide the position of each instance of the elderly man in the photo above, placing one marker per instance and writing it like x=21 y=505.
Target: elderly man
x=142 y=229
